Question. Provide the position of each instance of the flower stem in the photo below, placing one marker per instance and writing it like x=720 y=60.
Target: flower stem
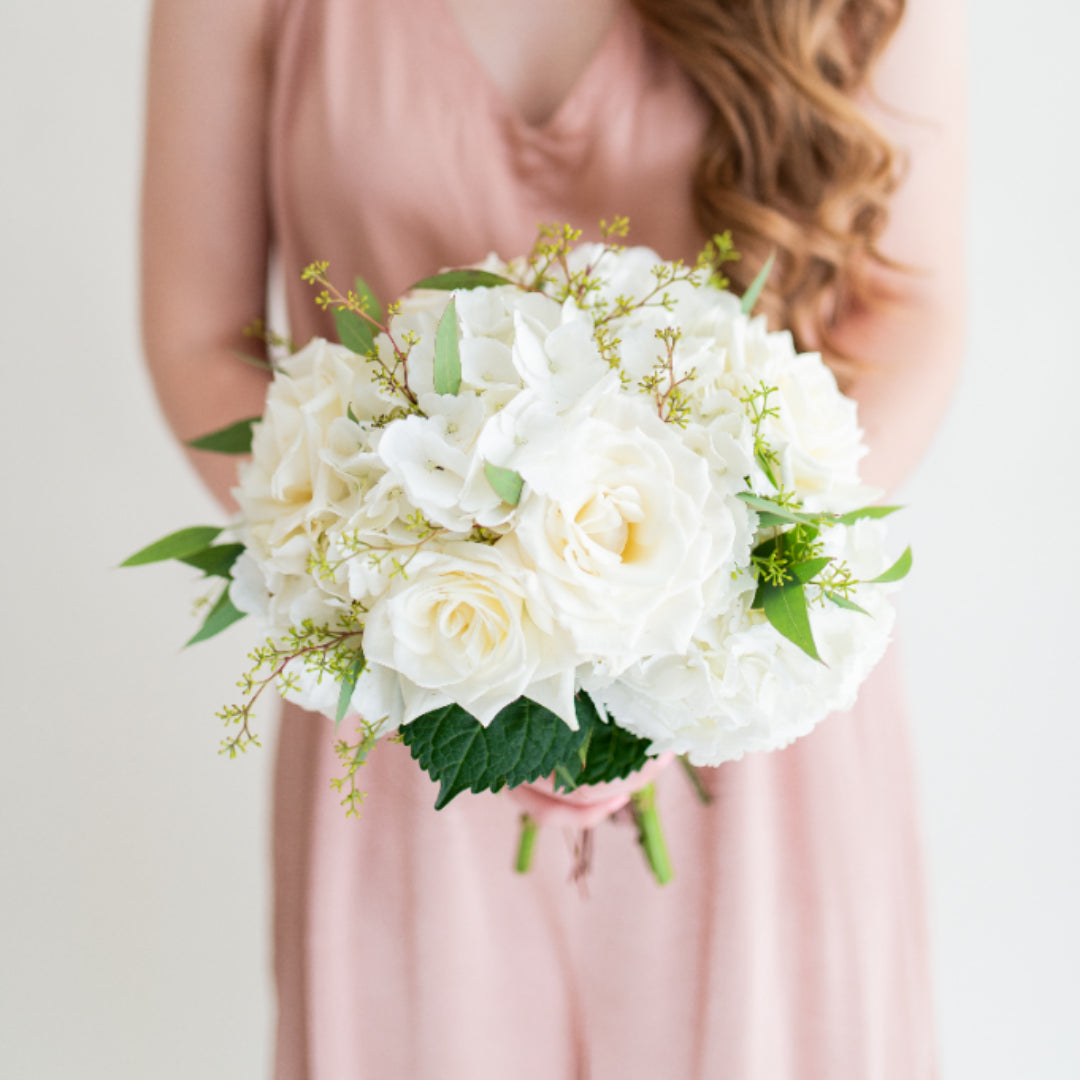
x=702 y=792
x=529 y=829
x=650 y=835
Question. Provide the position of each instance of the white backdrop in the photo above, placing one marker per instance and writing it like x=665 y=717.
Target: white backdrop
x=133 y=861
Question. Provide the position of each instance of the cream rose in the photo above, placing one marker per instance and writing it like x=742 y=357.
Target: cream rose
x=619 y=521
x=465 y=624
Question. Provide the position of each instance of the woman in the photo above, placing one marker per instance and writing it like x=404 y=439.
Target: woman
x=395 y=138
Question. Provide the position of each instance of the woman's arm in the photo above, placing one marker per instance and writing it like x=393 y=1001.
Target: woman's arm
x=913 y=349
x=204 y=216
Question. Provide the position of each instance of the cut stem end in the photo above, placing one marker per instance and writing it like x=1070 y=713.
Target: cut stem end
x=526 y=843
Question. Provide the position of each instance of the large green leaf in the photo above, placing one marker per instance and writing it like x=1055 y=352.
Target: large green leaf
x=354 y=332
x=369 y=299
x=785 y=607
x=447 y=357
x=750 y=297
x=222 y=615
x=177 y=545
x=463 y=279
x=234 y=439
x=506 y=482
x=898 y=570
x=611 y=753
x=522 y=743
x=216 y=561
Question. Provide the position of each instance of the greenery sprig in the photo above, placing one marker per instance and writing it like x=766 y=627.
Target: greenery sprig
x=358 y=319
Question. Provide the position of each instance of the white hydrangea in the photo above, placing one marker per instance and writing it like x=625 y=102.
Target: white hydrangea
x=741 y=687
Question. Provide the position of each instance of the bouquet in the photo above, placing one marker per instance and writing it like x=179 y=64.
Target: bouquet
x=552 y=517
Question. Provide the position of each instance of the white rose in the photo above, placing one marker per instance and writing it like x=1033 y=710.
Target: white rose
x=620 y=522
x=465 y=625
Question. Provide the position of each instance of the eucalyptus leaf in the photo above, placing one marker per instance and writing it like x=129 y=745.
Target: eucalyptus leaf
x=234 y=439
x=898 y=570
x=463 y=279
x=867 y=512
x=750 y=297
x=806 y=571
x=506 y=482
x=368 y=299
x=785 y=607
x=348 y=685
x=222 y=615
x=447 y=357
x=767 y=468
x=844 y=602
x=769 y=520
x=177 y=545
x=776 y=511
x=216 y=561
x=354 y=332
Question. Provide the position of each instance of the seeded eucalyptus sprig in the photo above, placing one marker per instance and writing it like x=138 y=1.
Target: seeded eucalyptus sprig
x=358 y=318
x=791 y=561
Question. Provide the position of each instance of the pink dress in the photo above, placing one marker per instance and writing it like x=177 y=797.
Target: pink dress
x=792 y=944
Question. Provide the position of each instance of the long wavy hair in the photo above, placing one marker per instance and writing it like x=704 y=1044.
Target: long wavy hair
x=789 y=162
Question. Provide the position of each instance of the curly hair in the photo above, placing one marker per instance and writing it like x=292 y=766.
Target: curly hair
x=789 y=162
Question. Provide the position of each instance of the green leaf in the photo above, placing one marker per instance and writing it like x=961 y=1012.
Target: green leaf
x=767 y=468
x=844 y=602
x=522 y=743
x=612 y=753
x=368 y=299
x=810 y=568
x=216 y=561
x=447 y=358
x=750 y=297
x=775 y=512
x=769 y=520
x=234 y=439
x=348 y=685
x=223 y=614
x=898 y=570
x=463 y=279
x=506 y=482
x=785 y=607
x=354 y=332
x=867 y=512
x=176 y=545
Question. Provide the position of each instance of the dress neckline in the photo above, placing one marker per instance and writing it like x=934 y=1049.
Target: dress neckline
x=595 y=79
